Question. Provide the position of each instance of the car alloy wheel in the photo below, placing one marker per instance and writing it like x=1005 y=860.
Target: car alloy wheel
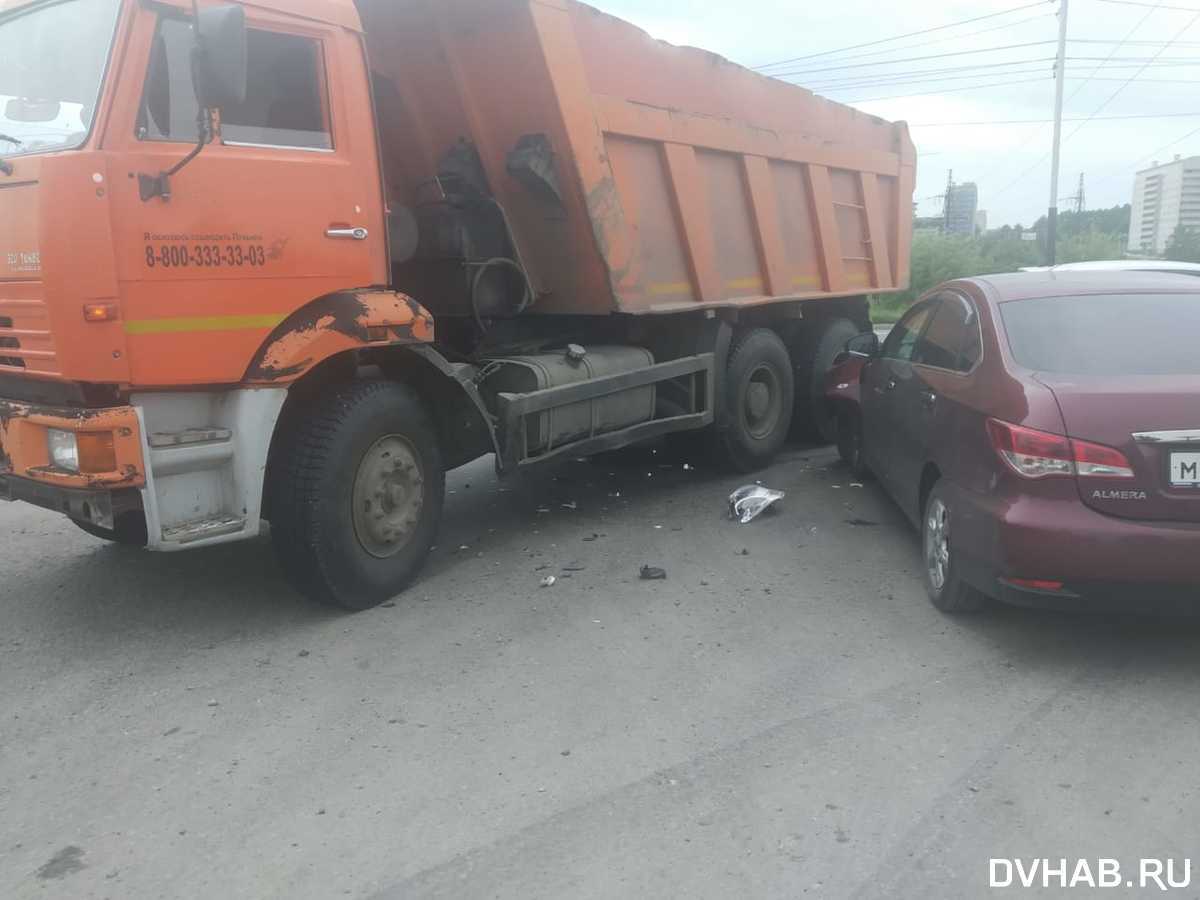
x=937 y=544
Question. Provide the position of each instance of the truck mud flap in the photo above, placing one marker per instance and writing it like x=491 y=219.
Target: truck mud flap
x=697 y=372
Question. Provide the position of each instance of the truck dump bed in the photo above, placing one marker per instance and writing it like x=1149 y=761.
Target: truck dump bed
x=640 y=177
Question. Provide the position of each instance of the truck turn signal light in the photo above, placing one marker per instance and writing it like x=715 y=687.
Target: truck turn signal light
x=100 y=312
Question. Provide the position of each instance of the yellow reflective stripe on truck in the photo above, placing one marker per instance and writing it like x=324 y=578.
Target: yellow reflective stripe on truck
x=203 y=323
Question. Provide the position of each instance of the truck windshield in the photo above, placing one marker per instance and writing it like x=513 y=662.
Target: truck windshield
x=52 y=58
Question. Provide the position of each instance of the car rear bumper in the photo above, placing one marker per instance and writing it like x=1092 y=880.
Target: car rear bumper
x=1093 y=555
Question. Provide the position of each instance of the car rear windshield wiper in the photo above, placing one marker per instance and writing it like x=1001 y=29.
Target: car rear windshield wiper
x=5 y=165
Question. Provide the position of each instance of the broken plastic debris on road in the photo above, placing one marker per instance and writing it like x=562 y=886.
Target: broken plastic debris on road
x=749 y=501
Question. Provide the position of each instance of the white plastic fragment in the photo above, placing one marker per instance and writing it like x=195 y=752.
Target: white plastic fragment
x=748 y=502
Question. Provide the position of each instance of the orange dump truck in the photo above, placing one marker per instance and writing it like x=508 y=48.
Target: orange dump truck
x=291 y=260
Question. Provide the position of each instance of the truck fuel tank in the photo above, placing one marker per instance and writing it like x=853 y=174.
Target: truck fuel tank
x=575 y=364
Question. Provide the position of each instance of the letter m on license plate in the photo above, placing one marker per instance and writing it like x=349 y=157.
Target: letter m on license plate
x=1185 y=469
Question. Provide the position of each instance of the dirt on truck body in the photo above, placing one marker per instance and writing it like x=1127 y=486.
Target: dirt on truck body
x=368 y=243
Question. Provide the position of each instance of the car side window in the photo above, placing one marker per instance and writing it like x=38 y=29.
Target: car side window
x=946 y=337
x=286 y=101
x=901 y=344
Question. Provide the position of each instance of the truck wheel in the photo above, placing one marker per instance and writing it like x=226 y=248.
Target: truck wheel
x=357 y=495
x=130 y=530
x=813 y=356
x=759 y=397
x=943 y=580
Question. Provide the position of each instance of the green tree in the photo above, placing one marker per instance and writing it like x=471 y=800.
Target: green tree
x=1184 y=245
x=1090 y=245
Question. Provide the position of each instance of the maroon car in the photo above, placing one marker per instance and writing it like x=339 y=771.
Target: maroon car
x=1042 y=429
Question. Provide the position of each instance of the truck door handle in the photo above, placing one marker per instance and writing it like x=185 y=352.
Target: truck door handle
x=891 y=384
x=348 y=233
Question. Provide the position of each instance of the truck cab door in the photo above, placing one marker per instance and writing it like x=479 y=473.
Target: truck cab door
x=284 y=206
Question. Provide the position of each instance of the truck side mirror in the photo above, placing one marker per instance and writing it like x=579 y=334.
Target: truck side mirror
x=220 y=60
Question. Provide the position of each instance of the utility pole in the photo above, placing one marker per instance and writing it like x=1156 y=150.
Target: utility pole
x=1060 y=72
x=1080 y=203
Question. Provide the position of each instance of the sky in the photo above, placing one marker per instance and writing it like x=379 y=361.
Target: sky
x=1146 y=76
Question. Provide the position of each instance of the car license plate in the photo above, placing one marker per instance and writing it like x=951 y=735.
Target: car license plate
x=1185 y=469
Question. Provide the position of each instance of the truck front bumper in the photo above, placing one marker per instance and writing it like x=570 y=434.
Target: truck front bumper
x=82 y=505
x=28 y=469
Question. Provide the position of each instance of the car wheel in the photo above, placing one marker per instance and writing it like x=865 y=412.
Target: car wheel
x=357 y=493
x=850 y=441
x=943 y=579
x=760 y=394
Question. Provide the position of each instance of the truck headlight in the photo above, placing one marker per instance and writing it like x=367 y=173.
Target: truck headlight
x=64 y=449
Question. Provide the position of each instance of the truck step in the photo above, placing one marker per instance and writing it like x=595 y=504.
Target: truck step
x=188 y=437
x=190 y=532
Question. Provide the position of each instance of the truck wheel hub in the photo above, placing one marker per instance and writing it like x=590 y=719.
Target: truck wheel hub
x=388 y=496
x=763 y=405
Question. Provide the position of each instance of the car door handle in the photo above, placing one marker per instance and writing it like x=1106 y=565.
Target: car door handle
x=928 y=399
x=348 y=233
x=891 y=384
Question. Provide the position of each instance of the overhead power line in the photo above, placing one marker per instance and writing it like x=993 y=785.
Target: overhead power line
x=896 y=62
x=1149 y=157
x=914 y=75
x=1152 y=5
x=953 y=90
x=976 y=71
x=1128 y=35
x=1041 y=159
x=1008 y=26
x=900 y=37
x=1183 y=115
x=1133 y=77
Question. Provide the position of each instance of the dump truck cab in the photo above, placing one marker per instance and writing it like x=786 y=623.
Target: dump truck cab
x=111 y=300
x=291 y=260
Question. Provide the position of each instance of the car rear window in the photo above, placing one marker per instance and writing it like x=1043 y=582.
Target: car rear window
x=1117 y=334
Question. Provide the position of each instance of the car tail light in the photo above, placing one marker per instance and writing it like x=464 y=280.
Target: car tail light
x=1100 y=461
x=1040 y=454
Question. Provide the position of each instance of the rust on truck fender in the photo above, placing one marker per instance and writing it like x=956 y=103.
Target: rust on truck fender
x=333 y=324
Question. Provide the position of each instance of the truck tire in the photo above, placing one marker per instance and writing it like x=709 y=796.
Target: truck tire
x=357 y=492
x=759 y=397
x=129 y=530
x=812 y=355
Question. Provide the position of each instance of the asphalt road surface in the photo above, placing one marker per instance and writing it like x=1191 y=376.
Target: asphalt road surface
x=785 y=715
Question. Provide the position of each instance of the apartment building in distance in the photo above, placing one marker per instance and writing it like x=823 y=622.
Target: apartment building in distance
x=1164 y=197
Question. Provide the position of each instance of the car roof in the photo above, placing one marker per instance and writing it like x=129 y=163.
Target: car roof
x=1061 y=283
x=1120 y=265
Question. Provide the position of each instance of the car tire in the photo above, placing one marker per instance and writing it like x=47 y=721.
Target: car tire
x=759 y=396
x=129 y=530
x=940 y=565
x=812 y=358
x=850 y=441
x=357 y=492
